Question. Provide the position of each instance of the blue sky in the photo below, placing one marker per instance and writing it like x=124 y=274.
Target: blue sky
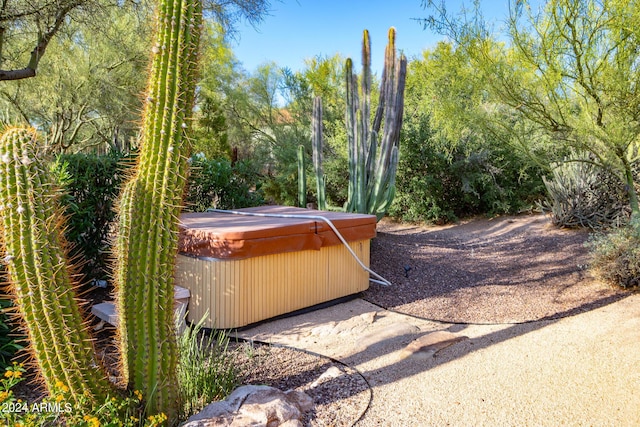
x=299 y=29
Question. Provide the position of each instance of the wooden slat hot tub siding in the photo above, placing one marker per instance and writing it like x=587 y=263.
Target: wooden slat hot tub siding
x=236 y=293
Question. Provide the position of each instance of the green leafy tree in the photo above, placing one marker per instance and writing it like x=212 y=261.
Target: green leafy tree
x=456 y=153
x=28 y=27
x=89 y=85
x=261 y=125
x=88 y=91
x=266 y=114
x=569 y=70
x=214 y=130
x=210 y=135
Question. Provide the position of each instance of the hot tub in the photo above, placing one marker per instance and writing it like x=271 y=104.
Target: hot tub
x=244 y=269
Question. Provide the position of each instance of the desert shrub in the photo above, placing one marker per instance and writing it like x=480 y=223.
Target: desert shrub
x=336 y=181
x=217 y=183
x=92 y=184
x=582 y=194
x=439 y=183
x=10 y=337
x=281 y=180
x=615 y=257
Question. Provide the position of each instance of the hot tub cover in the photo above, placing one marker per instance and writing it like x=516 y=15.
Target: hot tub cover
x=227 y=236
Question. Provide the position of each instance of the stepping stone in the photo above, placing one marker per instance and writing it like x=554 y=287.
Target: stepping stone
x=106 y=311
x=328 y=375
x=428 y=345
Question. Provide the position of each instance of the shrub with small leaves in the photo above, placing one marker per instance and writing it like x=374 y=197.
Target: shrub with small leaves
x=91 y=182
x=439 y=181
x=615 y=257
x=217 y=183
x=10 y=336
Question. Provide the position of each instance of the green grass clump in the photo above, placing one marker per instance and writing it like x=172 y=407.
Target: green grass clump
x=205 y=369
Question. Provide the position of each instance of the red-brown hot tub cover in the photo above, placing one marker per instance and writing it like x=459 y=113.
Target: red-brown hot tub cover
x=227 y=236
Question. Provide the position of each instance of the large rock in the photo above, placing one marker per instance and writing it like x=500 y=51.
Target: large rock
x=253 y=405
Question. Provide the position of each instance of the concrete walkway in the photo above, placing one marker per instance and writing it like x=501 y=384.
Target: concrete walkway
x=582 y=370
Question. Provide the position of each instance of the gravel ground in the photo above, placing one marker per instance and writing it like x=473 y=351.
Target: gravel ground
x=505 y=270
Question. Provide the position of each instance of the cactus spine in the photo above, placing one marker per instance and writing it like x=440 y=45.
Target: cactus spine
x=316 y=143
x=149 y=211
x=373 y=161
x=39 y=275
x=302 y=178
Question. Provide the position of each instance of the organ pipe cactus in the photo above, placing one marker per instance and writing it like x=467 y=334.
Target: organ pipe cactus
x=302 y=178
x=149 y=211
x=40 y=278
x=316 y=143
x=373 y=159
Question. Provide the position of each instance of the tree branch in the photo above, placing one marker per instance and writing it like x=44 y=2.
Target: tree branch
x=41 y=46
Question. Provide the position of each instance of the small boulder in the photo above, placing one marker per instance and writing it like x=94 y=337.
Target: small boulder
x=256 y=406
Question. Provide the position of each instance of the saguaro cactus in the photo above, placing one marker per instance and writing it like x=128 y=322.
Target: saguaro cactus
x=316 y=143
x=373 y=161
x=149 y=211
x=39 y=276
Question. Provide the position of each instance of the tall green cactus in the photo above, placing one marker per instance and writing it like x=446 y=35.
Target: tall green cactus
x=149 y=211
x=373 y=161
x=302 y=178
x=316 y=143
x=40 y=278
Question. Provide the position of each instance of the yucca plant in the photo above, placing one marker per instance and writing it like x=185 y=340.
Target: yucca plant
x=583 y=194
